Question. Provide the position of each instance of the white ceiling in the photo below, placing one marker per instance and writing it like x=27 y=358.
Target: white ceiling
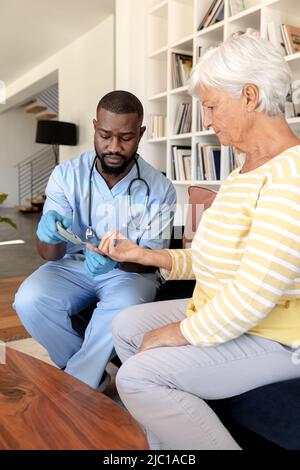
x=32 y=30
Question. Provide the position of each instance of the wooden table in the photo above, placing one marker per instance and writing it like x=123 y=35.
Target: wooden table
x=42 y=407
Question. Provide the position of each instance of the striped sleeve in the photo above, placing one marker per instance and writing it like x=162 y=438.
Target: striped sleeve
x=269 y=266
x=181 y=266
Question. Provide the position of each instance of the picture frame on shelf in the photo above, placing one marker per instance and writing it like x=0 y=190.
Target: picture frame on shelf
x=293 y=37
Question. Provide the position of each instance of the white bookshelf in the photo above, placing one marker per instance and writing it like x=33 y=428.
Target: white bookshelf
x=172 y=27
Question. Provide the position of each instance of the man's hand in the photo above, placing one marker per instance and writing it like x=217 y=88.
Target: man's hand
x=169 y=335
x=96 y=264
x=47 y=231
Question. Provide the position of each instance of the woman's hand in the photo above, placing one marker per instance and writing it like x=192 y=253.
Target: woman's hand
x=169 y=335
x=118 y=248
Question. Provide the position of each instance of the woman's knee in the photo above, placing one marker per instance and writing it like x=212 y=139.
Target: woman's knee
x=125 y=324
x=129 y=377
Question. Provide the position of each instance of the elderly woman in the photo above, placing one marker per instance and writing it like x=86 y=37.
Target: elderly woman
x=239 y=330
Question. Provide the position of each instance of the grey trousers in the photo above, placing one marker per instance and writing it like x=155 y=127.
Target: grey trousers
x=164 y=388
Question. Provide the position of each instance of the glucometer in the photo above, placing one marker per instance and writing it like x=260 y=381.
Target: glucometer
x=68 y=235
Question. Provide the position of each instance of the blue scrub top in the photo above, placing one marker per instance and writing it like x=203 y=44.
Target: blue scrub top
x=148 y=224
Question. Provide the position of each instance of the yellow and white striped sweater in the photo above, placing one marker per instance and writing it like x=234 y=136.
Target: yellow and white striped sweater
x=245 y=258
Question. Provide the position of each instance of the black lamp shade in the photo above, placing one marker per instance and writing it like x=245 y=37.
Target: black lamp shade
x=56 y=133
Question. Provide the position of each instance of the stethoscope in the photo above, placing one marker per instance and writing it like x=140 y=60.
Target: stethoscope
x=89 y=234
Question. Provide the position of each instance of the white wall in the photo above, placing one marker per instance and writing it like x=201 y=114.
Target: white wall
x=85 y=71
x=131 y=63
x=17 y=135
x=131 y=54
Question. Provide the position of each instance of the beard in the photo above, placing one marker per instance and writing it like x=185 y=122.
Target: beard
x=112 y=169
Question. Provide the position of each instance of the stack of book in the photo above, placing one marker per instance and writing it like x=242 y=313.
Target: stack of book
x=183 y=120
x=214 y=14
x=181 y=69
x=208 y=162
x=284 y=36
x=211 y=167
x=181 y=163
x=158 y=126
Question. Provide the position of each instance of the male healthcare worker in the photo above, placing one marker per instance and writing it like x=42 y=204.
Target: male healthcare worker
x=75 y=277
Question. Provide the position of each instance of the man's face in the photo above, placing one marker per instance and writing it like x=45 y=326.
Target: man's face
x=116 y=140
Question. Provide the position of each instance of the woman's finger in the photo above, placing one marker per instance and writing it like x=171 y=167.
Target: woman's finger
x=104 y=246
x=103 y=243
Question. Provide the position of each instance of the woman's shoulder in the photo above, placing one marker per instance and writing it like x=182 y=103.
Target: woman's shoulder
x=285 y=165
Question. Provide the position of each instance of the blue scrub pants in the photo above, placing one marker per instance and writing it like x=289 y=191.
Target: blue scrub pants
x=59 y=289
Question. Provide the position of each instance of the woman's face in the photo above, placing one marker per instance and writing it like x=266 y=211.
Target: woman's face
x=227 y=116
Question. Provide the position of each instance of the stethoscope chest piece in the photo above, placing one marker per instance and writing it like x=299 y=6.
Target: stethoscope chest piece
x=89 y=234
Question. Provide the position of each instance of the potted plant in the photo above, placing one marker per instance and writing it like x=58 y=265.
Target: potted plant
x=6 y=220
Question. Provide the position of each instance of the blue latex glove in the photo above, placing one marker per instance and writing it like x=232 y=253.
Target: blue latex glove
x=47 y=231
x=96 y=264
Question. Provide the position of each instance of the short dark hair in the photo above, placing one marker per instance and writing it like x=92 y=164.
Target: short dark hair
x=121 y=102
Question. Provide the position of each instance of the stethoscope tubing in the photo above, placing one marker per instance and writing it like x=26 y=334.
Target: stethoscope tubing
x=89 y=231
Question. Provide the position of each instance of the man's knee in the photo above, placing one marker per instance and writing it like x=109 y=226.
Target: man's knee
x=28 y=301
x=137 y=291
x=131 y=297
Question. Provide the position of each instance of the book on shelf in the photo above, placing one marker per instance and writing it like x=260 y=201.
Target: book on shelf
x=208 y=162
x=181 y=162
x=182 y=65
x=200 y=118
x=187 y=163
x=236 y=6
x=291 y=36
x=212 y=164
x=158 y=126
x=183 y=119
x=231 y=159
x=214 y=14
x=275 y=36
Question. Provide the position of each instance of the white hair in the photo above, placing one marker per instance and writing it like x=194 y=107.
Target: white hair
x=245 y=58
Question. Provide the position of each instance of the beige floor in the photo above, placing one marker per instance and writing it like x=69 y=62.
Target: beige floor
x=33 y=348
